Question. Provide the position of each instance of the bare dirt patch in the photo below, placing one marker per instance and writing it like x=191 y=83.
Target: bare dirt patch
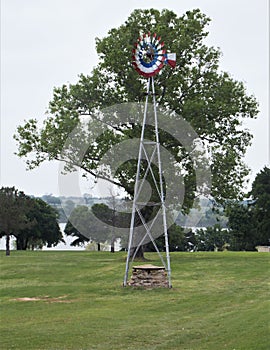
x=46 y=298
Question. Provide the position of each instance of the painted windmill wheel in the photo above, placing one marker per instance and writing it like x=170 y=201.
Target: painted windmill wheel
x=149 y=55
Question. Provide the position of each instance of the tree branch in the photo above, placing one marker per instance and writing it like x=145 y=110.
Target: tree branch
x=91 y=172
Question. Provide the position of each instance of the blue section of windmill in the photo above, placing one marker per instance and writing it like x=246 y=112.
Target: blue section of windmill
x=146 y=47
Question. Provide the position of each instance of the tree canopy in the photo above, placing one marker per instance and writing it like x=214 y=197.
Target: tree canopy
x=83 y=225
x=211 y=101
x=44 y=229
x=30 y=220
x=14 y=207
x=261 y=195
x=98 y=223
x=249 y=222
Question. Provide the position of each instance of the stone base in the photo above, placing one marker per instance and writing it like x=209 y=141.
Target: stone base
x=149 y=276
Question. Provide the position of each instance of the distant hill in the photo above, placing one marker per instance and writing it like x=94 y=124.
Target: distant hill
x=206 y=215
x=65 y=205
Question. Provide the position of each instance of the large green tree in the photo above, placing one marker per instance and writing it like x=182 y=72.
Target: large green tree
x=210 y=100
x=99 y=223
x=249 y=222
x=31 y=221
x=241 y=227
x=261 y=209
x=44 y=229
x=79 y=225
x=82 y=225
x=177 y=240
x=212 y=238
x=14 y=207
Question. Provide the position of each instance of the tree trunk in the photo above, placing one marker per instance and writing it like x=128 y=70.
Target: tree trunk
x=7 y=244
x=139 y=254
x=18 y=244
x=21 y=243
x=112 y=244
x=98 y=247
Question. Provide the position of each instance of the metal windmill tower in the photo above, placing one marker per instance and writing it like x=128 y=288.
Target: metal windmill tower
x=149 y=57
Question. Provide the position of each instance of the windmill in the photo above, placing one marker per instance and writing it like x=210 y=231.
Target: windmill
x=149 y=57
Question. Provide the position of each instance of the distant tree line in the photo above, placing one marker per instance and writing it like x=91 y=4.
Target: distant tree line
x=248 y=225
x=34 y=223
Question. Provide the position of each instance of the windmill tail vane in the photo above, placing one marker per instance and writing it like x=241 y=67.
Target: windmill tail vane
x=171 y=59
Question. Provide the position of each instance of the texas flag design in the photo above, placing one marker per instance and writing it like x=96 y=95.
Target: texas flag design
x=171 y=59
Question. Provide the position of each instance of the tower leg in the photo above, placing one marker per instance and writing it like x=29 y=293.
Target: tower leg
x=162 y=189
x=131 y=232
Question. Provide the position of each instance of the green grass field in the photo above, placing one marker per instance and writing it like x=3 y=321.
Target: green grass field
x=218 y=301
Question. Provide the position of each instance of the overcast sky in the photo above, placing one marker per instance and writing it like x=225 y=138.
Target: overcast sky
x=47 y=43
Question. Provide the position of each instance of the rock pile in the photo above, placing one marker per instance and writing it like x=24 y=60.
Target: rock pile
x=149 y=276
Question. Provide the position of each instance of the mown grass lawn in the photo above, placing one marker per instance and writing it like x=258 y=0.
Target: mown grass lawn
x=218 y=301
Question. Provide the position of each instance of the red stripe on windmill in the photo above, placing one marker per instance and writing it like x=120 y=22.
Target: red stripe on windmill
x=149 y=55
